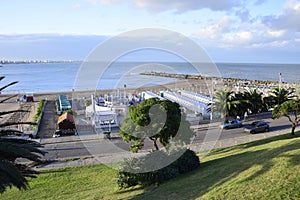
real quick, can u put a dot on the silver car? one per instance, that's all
(231, 123)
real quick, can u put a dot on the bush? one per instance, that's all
(186, 162)
(38, 116)
(68, 111)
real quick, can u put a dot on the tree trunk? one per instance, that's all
(293, 129)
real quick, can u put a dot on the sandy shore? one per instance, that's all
(199, 84)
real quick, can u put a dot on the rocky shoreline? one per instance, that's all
(226, 81)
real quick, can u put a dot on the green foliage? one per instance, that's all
(159, 120)
(187, 161)
(11, 172)
(280, 95)
(88, 102)
(231, 104)
(224, 103)
(289, 109)
(68, 111)
(265, 169)
(38, 115)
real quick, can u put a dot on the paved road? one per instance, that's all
(49, 120)
(206, 138)
(214, 137)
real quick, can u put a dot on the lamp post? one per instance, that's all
(125, 93)
(280, 79)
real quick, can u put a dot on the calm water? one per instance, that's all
(49, 77)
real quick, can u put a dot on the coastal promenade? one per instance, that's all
(91, 149)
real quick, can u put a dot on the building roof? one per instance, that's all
(66, 116)
(64, 102)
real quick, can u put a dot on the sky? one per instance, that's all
(229, 30)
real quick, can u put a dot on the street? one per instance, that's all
(206, 138)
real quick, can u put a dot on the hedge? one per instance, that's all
(186, 162)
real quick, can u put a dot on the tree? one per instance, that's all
(13, 173)
(289, 109)
(254, 100)
(281, 95)
(225, 103)
(240, 103)
(158, 120)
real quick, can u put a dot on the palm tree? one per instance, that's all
(224, 103)
(13, 173)
(241, 104)
(281, 95)
(254, 101)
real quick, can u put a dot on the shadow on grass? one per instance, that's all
(217, 172)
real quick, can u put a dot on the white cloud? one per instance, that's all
(276, 33)
(176, 5)
(230, 32)
(288, 20)
(77, 6)
(216, 29)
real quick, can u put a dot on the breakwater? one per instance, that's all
(226, 81)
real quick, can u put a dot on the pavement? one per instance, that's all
(95, 149)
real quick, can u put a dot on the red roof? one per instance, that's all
(65, 116)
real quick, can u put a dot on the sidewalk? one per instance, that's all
(116, 157)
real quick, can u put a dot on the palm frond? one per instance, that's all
(15, 123)
(8, 98)
(10, 84)
(11, 172)
(12, 111)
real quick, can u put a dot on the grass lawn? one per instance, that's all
(265, 169)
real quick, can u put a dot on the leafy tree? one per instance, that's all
(281, 95)
(289, 109)
(13, 173)
(158, 120)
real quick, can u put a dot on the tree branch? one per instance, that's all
(289, 118)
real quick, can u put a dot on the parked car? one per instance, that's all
(57, 134)
(231, 123)
(257, 126)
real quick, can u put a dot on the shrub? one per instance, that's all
(38, 115)
(186, 162)
(68, 111)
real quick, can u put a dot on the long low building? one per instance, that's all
(196, 96)
(186, 102)
(148, 95)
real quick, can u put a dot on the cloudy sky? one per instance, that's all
(229, 30)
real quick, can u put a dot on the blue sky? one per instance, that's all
(229, 30)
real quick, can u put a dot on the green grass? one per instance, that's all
(265, 169)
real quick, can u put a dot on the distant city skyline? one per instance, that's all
(230, 31)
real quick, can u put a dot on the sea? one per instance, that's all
(62, 76)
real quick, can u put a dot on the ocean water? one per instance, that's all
(51, 77)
